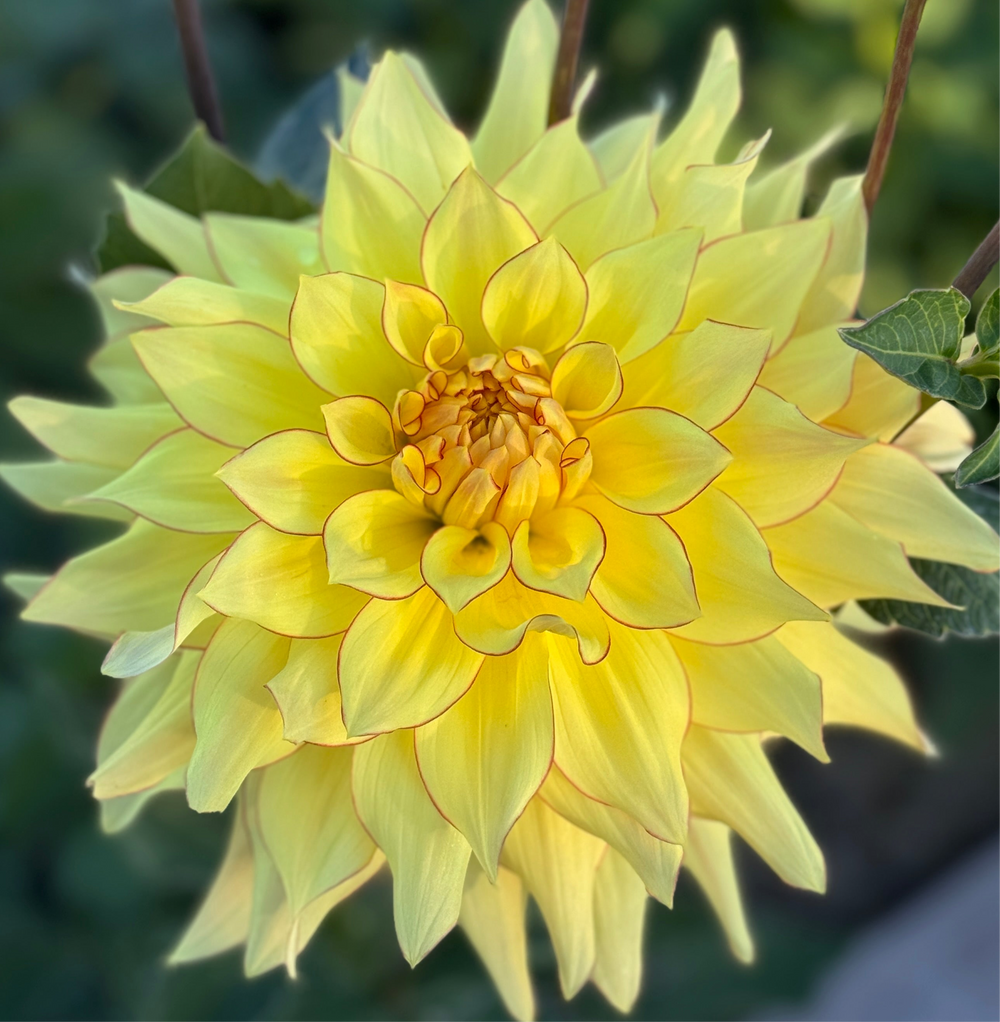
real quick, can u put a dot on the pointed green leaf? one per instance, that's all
(919, 339)
(983, 464)
(988, 325)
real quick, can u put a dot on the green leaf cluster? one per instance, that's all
(200, 177)
(919, 339)
(975, 595)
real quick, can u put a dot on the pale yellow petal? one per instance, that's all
(460, 564)
(740, 595)
(753, 687)
(653, 461)
(125, 284)
(942, 438)
(236, 720)
(282, 583)
(409, 316)
(536, 299)
(616, 146)
(471, 234)
(485, 757)
(293, 480)
(401, 664)
(558, 552)
(374, 541)
(173, 484)
(783, 464)
(890, 491)
(880, 405)
(427, 856)
(587, 380)
(492, 916)
(117, 367)
(234, 382)
(360, 429)
(370, 224)
(730, 779)
(397, 129)
(519, 104)
(57, 486)
(704, 375)
(619, 726)
(619, 915)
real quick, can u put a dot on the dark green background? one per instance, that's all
(91, 88)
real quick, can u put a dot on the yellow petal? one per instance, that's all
(374, 541)
(942, 438)
(236, 721)
(619, 911)
(758, 279)
(293, 480)
(813, 372)
(704, 375)
(880, 405)
(306, 817)
(459, 564)
(834, 294)
(360, 429)
(616, 146)
(621, 214)
(117, 367)
(754, 686)
(282, 583)
(637, 292)
(519, 104)
(557, 863)
(619, 726)
(741, 597)
(496, 622)
(159, 743)
(830, 558)
(554, 174)
(133, 583)
(111, 437)
(262, 254)
(360, 202)
(645, 579)
(470, 235)
(484, 758)
(891, 492)
(699, 133)
(401, 664)
(173, 484)
(189, 301)
(176, 235)
(235, 382)
(657, 862)
(125, 284)
(57, 486)
(536, 299)
(783, 464)
(731, 780)
(709, 856)
(492, 916)
(397, 129)
(587, 380)
(308, 695)
(427, 856)
(859, 689)
(223, 918)
(409, 316)
(336, 330)
(558, 552)
(652, 461)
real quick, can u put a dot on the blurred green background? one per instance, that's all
(93, 88)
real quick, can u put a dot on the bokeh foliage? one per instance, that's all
(93, 88)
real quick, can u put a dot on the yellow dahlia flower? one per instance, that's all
(491, 526)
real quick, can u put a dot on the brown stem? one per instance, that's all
(893, 101)
(564, 77)
(975, 271)
(198, 70)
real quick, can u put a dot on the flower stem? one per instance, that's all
(893, 101)
(975, 271)
(564, 77)
(198, 70)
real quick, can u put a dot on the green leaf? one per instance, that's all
(983, 464)
(976, 593)
(919, 339)
(201, 177)
(988, 325)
